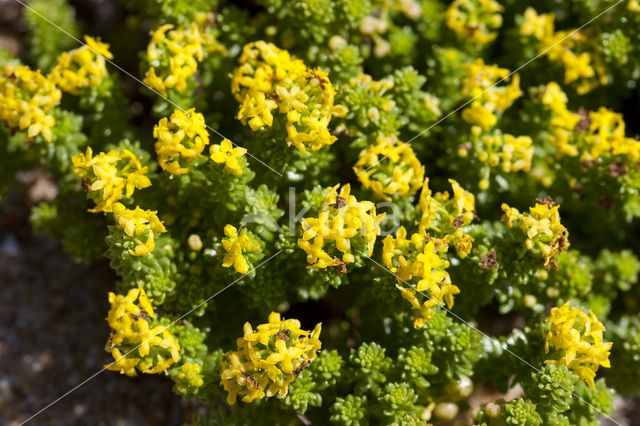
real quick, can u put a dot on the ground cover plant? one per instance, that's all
(350, 211)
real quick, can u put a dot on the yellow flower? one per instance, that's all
(478, 114)
(173, 55)
(268, 359)
(420, 258)
(132, 334)
(590, 135)
(389, 168)
(422, 312)
(81, 68)
(182, 136)
(578, 342)
(540, 26)
(490, 99)
(268, 79)
(510, 153)
(108, 177)
(475, 20)
(341, 219)
(463, 243)
(26, 100)
(138, 223)
(226, 154)
(123, 364)
(236, 245)
(446, 217)
(544, 233)
(606, 135)
(584, 68)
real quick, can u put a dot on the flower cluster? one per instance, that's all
(563, 121)
(268, 359)
(140, 225)
(475, 20)
(510, 153)
(590, 135)
(81, 68)
(236, 245)
(133, 343)
(173, 55)
(110, 176)
(489, 100)
(389, 168)
(225, 153)
(581, 67)
(577, 340)
(26, 100)
(341, 220)
(268, 78)
(188, 378)
(183, 136)
(420, 258)
(446, 216)
(545, 234)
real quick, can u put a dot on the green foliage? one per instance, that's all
(46, 42)
(625, 353)
(521, 412)
(552, 388)
(370, 367)
(349, 411)
(54, 219)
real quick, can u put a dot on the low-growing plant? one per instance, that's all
(349, 211)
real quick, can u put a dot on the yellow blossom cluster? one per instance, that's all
(589, 135)
(563, 121)
(577, 340)
(389, 168)
(133, 343)
(510, 153)
(110, 176)
(268, 78)
(341, 220)
(268, 359)
(542, 227)
(81, 68)
(225, 153)
(183, 136)
(445, 216)
(26, 100)
(236, 244)
(475, 20)
(173, 55)
(583, 68)
(420, 257)
(489, 99)
(141, 225)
